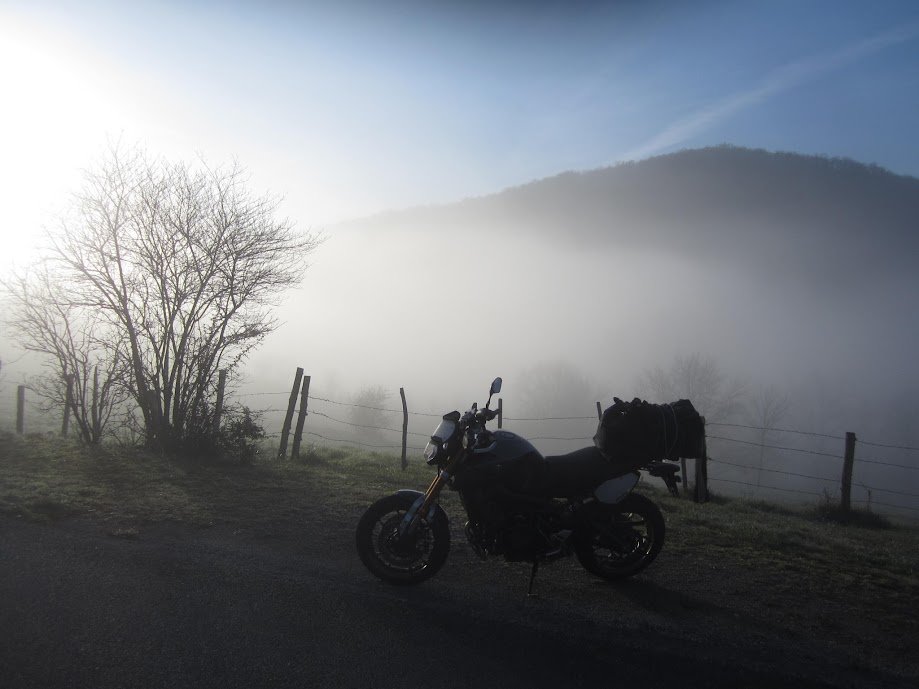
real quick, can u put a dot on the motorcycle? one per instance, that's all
(520, 505)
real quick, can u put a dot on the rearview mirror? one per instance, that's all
(495, 386)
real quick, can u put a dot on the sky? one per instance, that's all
(352, 108)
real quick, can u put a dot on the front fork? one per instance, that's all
(427, 503)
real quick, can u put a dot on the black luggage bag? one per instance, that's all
(637, 432)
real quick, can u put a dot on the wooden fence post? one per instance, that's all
(847, 464)
(599, 412)
(218, 407)
(700, 489)
(500, 412)
(65, 425)
(301, 418)
(404, 427)
(20, 409)
(292, 402)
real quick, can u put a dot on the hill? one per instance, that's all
(833, 219)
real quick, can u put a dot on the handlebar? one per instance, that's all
(481, 416)
(478, 416)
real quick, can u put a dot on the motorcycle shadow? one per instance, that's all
(653, 597)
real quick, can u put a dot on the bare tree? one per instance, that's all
(368, 412)
(77, 344)
(178, 265)
(765, 411)
(554, 388)
(697, 378)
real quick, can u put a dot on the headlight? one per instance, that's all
(439, 437)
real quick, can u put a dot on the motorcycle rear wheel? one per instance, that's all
(402, 559)
(623, 540)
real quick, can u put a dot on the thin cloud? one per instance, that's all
(780, 80)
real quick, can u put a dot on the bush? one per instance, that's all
(237, 441)
(240, 438)
(830, 511)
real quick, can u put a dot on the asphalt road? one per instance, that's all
(180, 607)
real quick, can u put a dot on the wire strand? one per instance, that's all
(778, 430)
(773, 471)
(354, 442)
(552, 418)
(888, 490)
(776, 447)
(887, 464)
(376, 428)
(364, 406)
(752, 485)
(893, 447)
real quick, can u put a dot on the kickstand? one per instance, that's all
(530, 593)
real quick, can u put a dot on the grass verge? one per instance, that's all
(47, 478)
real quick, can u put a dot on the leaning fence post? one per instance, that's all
(500, 412)
(847, 464)
(599, 412)
(404, 427)
(292, 402)
(20, 409)
(301, 418)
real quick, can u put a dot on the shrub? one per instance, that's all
(240, 437)
(237, 441)
(829, 510)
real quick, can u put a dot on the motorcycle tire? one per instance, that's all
(622, 539)
(407, 559)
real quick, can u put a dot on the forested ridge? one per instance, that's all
(717, 202)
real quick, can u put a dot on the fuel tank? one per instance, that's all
(515, 464)
(512, 447)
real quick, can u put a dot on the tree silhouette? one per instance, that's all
(166, 272)
(697, 378)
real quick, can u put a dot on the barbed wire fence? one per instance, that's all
(791, 468)
(877, 473)
(801, 463)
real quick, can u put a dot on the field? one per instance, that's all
(856, 586)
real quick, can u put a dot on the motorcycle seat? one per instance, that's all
(579, 471)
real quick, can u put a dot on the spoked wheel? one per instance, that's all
(409, 557)
(621, 540)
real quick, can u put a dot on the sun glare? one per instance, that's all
(56, 109)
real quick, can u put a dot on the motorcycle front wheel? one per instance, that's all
(620, 540)
(402, 558)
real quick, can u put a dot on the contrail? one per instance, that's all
(780, 80)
